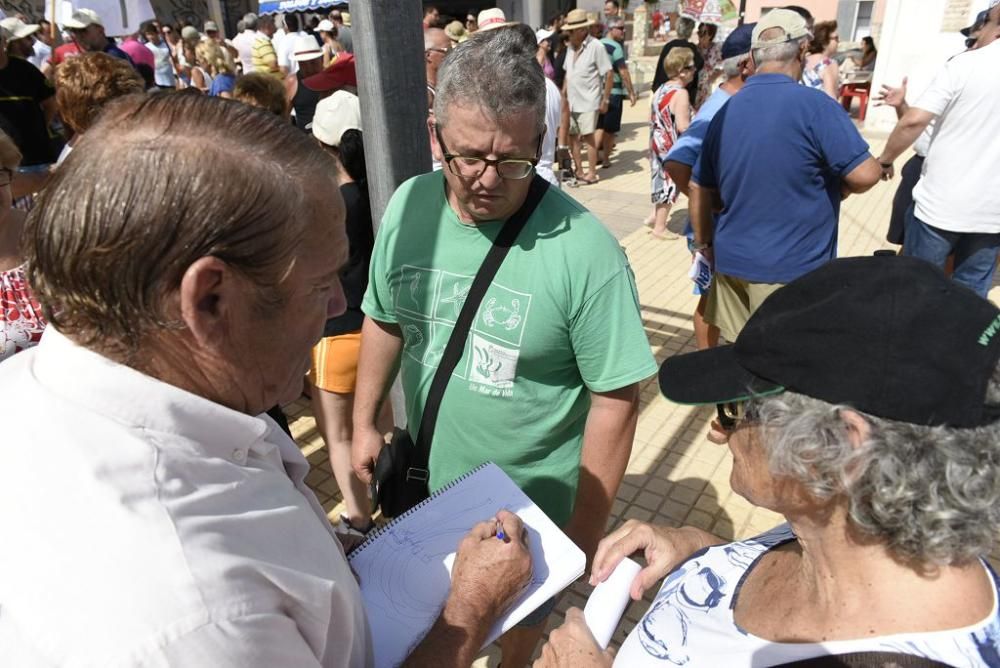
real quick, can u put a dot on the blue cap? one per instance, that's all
(738, 41)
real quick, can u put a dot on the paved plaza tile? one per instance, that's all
(675, 476)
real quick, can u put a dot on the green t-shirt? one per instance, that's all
(616, 54)
(560, 318)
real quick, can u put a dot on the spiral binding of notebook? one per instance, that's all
(376, 533)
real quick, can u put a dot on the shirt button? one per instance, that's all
(239, 455)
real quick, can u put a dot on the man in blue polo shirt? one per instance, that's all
(737, 65)
(776, 161)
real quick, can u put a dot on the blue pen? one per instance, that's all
(500, 533)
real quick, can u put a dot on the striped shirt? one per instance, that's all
(264, 58)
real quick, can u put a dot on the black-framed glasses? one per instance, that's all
(472, 168)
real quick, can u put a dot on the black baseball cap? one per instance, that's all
(890, 336)
(738, 42)
(978, 24)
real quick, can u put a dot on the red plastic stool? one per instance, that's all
(859, 90)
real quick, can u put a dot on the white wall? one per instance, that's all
(912, 44)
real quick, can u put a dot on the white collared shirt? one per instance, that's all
(144, 525)
(585, 72)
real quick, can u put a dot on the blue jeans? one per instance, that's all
(975, 252)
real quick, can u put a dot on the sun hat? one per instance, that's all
(738, 42)
(15, 28)
(190, 34)
(577, 18)
(81, 18)
(211, 26)
(542, 34)
(306, 47)
(893, 337)
(491, 19)
(791, 24)
(456, 31)
(341, 73)
(335, 115)
(326, 25)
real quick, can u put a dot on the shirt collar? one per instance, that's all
(765, 78)
(105, 387)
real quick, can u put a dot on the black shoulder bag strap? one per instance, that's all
(456, 343)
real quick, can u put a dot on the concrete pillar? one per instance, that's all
(534, 13)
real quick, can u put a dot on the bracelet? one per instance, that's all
(696, 245)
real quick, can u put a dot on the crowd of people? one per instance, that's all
(186, 240)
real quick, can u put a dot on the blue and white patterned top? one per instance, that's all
(691, 621)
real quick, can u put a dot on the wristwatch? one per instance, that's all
(700, 245)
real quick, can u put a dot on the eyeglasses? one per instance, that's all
(473, 168)
(6, 176)
(732, 414)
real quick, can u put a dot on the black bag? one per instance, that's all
(400, 478)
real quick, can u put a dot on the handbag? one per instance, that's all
(400, 479)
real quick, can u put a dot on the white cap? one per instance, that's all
(81, 18)
(306, 48)
(15, 28)
(335, 115)
(326, 25)
(542, 34)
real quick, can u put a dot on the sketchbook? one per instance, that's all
(405, 567)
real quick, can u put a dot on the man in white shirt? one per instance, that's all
(286, 48)
(163, 65)
(245, 40)
(169, 523)
(587, 85)
(956, 204)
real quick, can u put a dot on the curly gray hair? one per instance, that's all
(931, 493)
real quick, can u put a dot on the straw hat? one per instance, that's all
(577, 18)
(456, 31)
(491, 19)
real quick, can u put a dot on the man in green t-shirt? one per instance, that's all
(548, 384)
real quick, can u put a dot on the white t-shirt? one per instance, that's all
(147, 526)
(244, 47)
(958, 188)
(553, 111)
(163, 69)
(691, 622)
(286, 48)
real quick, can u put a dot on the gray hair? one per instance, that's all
(785, 52)
(685, 26)
(731, 66)
(430, 37)
(932, 494)
(250, 21)
(495, 72)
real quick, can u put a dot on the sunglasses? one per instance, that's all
(732, 414)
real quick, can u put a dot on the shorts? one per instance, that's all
(335, 363)
(539, 615)
(611, 120)
(732, 301)
(582, 122)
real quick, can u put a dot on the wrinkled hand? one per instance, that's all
(572, 645)
(663, 547)
(890, 96)
(489, 573)
(366, 444)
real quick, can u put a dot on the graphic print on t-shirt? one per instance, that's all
(428, 302)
